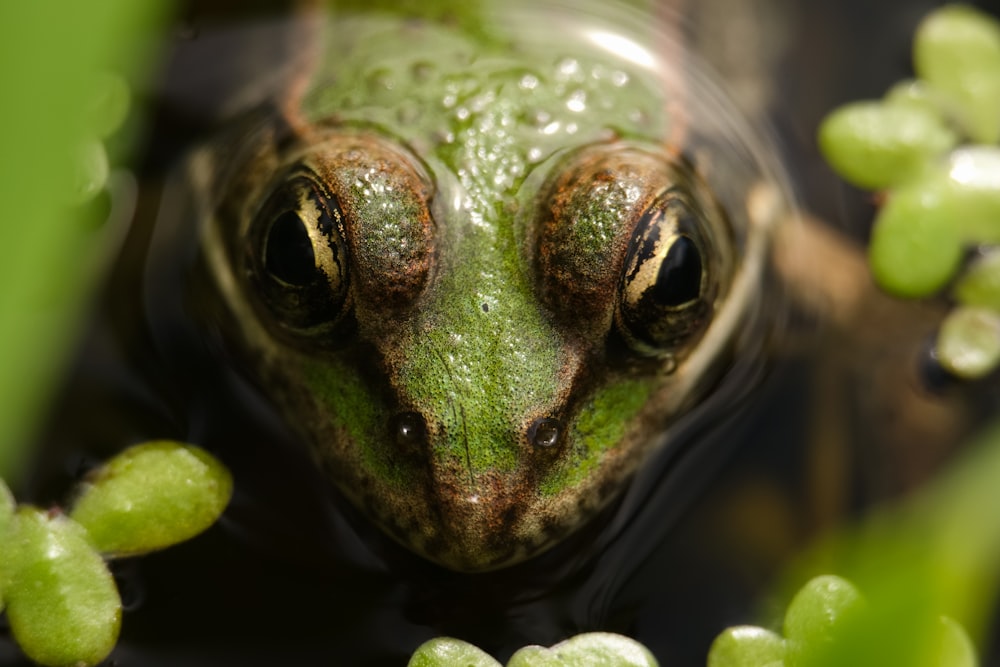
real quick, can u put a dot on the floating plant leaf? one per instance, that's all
(449, 652)
(957, 51)
(152, 496)
(746, 646)
(592, 649)
(814, 614)
(875, 145)
(915, 246)
(62, 603)
(980, 283)
(968, 345)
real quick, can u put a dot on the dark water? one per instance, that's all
(290, 576)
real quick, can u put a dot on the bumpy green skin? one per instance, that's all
(152, 496)
(483, 356)
(490, 108)
(481, 360)
(62, 602)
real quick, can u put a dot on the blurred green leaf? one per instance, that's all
(934, 555)
(876, 145)
(55, 52)
(968, 344)
(957, 51)
(980, 284)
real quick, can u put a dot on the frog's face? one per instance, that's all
(480, 282)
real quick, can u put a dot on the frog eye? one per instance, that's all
(631, 242)
(344, 241)
(667, 289)
(298, 257)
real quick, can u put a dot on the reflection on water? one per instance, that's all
(293, 575)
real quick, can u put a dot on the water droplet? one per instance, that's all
(528, 82)
(619, 78)
(444, 137)
(577, 101)
(568, 67)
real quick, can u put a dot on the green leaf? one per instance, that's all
(152, 496)
(7, 507)
(979, 285)
(815, 614)
(62, 603)
(914, 92)
(593, 649)
(91, 170)
(916, 247)
(954, 648)
(746, 646)
(971, 175)
(957, 51)
(968, 344)
(54, 252)
(108, 105)
(448, 652)
(875, 145)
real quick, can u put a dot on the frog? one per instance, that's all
(483, 271)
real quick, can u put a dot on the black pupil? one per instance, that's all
(289, 255)
(679, 278)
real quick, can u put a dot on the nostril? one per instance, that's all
(545, 432)
(408, 429)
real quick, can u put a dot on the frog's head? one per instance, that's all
(482, 289)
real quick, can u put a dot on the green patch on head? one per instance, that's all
(600, 426)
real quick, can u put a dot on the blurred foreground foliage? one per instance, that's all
(62, 88)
